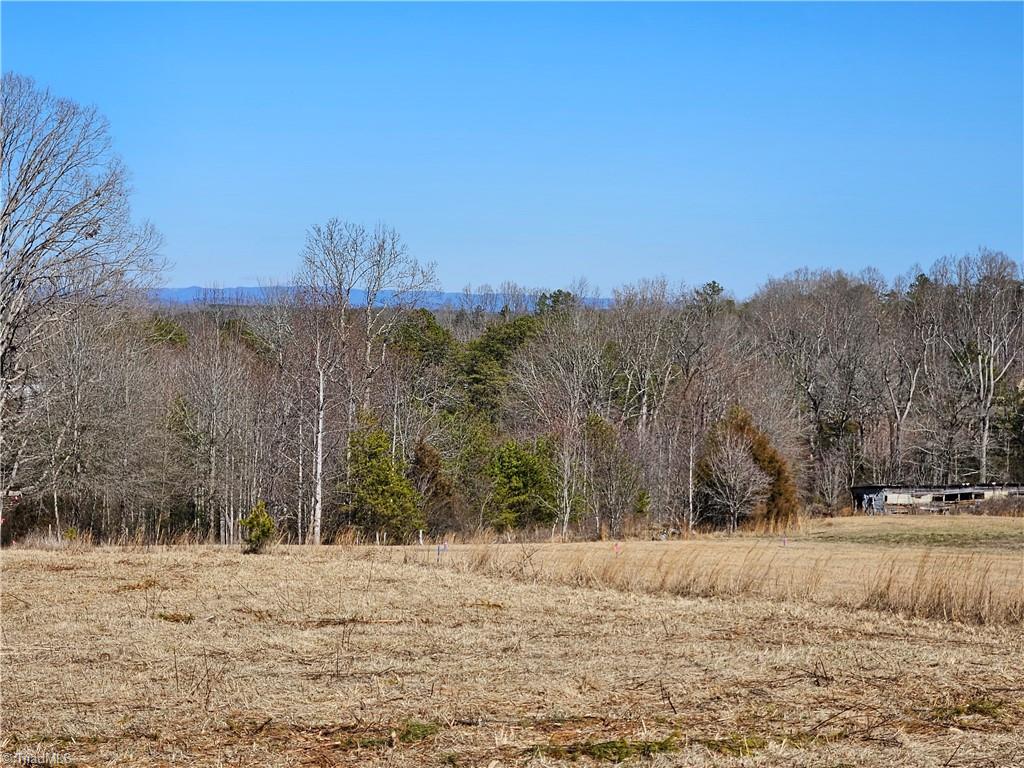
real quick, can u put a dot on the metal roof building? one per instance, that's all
(879, 499)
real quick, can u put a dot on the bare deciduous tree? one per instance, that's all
(557, 383)
(734, 482)
(985, 332)
(66, 236)
(356, 282)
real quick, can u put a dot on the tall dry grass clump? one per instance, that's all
(961, 589)
(71, 540)
(975, 588)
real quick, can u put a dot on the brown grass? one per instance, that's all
(348, 656)
(964, 589)
(975, 574)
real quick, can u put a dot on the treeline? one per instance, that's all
(662, 409)
(667, 409)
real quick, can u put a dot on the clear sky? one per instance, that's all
(544, 142)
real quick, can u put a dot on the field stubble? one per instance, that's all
(504, 656)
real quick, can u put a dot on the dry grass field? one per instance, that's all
(967, 569)
(541, 655)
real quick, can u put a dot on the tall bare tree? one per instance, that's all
(357, 282)
(985, 332)
(557, 382)
(66, 236)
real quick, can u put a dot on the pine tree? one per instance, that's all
(524, 485)
(381, 496)
(486, 360)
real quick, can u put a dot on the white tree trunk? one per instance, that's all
(318, 470)
(689, 486)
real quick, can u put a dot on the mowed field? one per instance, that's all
(804, 651)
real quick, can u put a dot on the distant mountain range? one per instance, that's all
(247, 294)
(194, 293)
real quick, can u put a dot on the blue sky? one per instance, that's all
(543, 142)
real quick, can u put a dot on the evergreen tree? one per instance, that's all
(381, 496)
(556, 301)
(524, 485)
(259, 528)
(422, 337)
(486, 360)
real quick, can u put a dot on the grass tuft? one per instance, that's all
(139, 586)
(614, 751)
(415, 730)
(735, 745)
(951, 714)
(175, 617)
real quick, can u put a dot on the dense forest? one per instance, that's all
(350, 409)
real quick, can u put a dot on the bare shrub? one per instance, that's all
(1008, 506)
